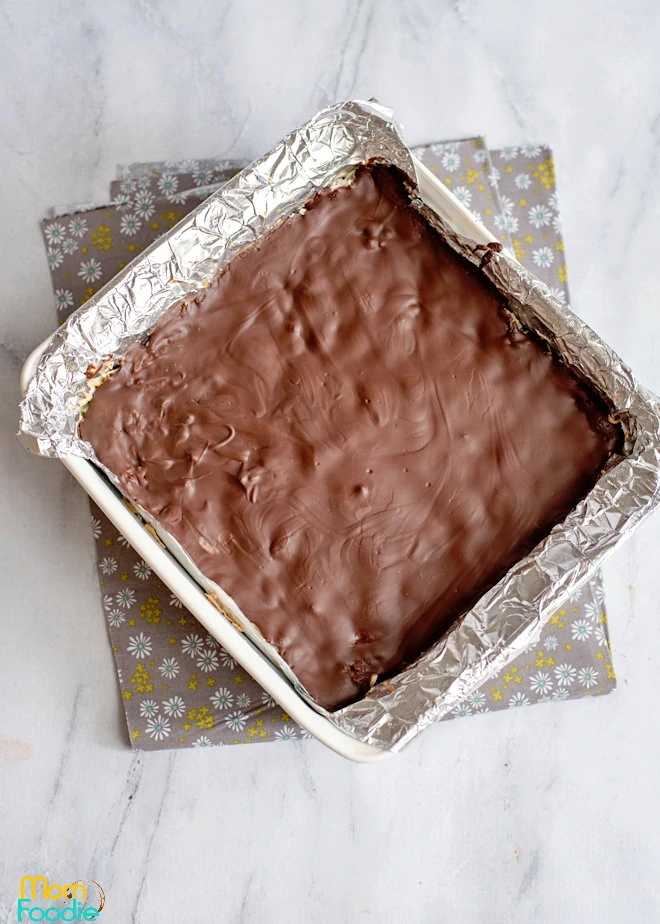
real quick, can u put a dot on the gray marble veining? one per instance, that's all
(527, 816)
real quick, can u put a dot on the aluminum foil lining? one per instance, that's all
(509, 617)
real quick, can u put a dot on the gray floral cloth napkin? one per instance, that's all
(178, 686)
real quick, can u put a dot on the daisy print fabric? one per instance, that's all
(178, 687)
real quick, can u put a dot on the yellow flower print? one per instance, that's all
(102, 238)
(142, 680)
(202, 717)
(519, 250)
(545, 173)
(194, 683)
(562, 272)
(151, 610)
(471, 176)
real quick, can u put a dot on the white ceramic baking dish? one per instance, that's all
(186, 588)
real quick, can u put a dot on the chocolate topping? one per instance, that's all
(347, 434)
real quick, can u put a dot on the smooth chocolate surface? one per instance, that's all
(345, 432)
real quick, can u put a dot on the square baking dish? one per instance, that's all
(504, 620)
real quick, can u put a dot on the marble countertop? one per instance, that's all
(532, 815)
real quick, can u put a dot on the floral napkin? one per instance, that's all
(178, 686)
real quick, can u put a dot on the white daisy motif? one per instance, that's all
(236, 721)
(304, 733)
(243, 701)
(601, 636)
(142, 571)
(451, 161)
(592, 611)
(541, 683)
(115, 618)
(286, 733)
(518, 699)
(226, 659)
(530, 150)
(90, 270)
(148, 707)
(207, 660)
(556, 223)
(461, 711)
(564, 674)
(168, 184)
(267, 699)
(211, 642)
(158, 728)
(108, 565)
(581, 630)
(481, 155)
(54, 256)
(599, 592)
(64, 299)
(169, 667)
(202, 177)
(188, 166)
(477, 700)
(96, 527)
(127, 187)
(507, 205)
(508, 153)
(124, 541)
(494, 176)
(130, 225)
(507, 223)
(78, 227)
(179, 198)
(55, 233)
(222, 698)
(174, 601)
(551, 642)
(174, 707)
(477, 215)
(70, 245)
(553, 201)
(191, 645)
(560, 694)
(202, 742)
(142, 182)
(122, 201)
(144, 205)
(108, 602)
(559, 294)
(139, 646)
(543, 257)
(539, 216)
(463, 194)
(587, 677)
(523, 181)
(126, 598)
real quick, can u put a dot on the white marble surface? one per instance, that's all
(537, 815)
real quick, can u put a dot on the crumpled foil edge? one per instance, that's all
(512, 614)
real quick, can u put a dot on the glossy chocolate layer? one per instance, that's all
(345, 433)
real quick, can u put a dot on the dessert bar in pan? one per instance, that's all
(374, 441)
